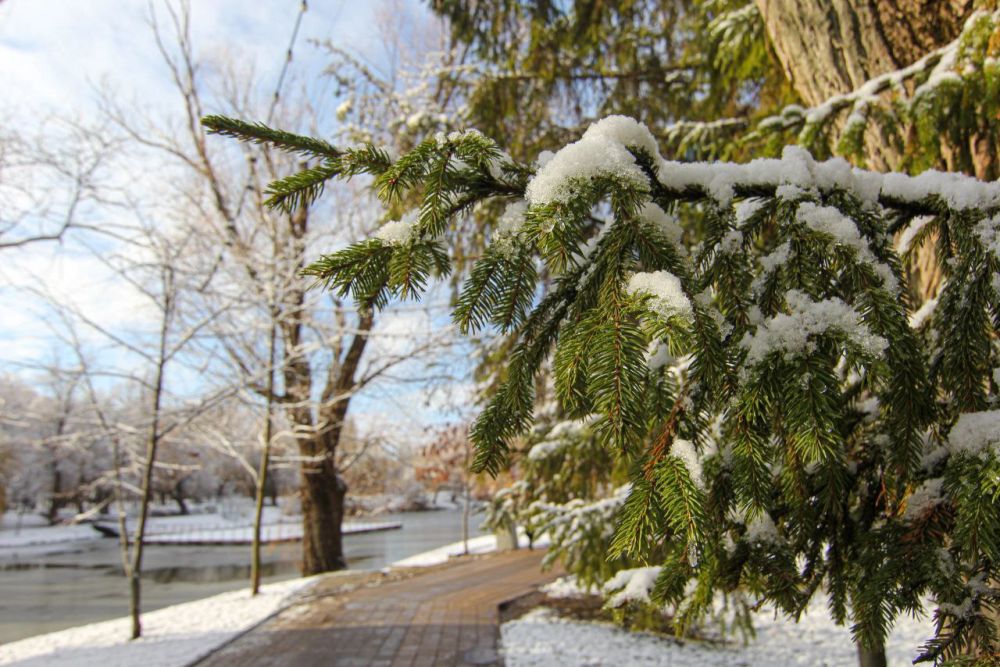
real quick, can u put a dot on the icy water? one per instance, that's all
(42, 592)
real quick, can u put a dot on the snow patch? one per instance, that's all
(542, 639)
(632, 585)
(601, 152)
(666, 224)
(398, 232)
(568, 587)
(685, 451)
(975, 433)
(927, 496)
(174, 636)
(665, 288)
(790, 334)
(762, 530)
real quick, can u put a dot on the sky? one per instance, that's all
(55, 57)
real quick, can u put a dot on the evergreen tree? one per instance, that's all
(818, 432)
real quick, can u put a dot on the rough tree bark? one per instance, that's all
(835, 46)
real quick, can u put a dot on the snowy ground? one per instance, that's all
(30, 530)
(177, 635)
(477, 545)
(542, 639)
(172, 637)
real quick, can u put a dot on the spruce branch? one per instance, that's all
(261, 134)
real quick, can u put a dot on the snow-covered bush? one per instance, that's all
(782, 412)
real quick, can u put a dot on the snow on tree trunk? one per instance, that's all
(835, 47)
(832, 48)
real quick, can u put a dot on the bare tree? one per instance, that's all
(51, 181)
(252, 259)
(150, 263)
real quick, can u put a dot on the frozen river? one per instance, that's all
(42, 591)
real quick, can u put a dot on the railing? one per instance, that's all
(243, 533)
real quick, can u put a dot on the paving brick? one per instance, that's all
(438, 617)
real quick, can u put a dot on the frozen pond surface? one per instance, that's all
(41, 591)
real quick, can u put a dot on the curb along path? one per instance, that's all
(447, 615)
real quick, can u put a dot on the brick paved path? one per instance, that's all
(440, 616)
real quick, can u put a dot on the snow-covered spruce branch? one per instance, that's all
(810, 411)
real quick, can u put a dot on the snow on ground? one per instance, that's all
(477, 545)
(173, 636)
(542, 639)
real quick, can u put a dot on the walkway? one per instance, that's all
(440, 616)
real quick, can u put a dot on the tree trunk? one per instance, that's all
(182, 507)
(871, 657)
(134, 570)
(265, 458)
(832, 47)
(323, 489)
(56, 497)
(323, 492)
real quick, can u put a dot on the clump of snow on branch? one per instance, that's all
(633, 585)
(922, 314)
(745, 208)
(797, 168)
(625, 131)
(927, 496)
(668, 296)
(600, 152)
(762, 530)
(960, 192)
(988, 232)
(666, 224)
(564, 522)
(604, 151)
(568, 587)
(791, 334)
(685, 451)
(508, 226)
(829, 221)
(776, 258)
(975, 433)
(658, 355)
(398, 232)
(443, 139)
(559, 437)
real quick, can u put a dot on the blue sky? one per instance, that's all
(53, 51)
(55, 54)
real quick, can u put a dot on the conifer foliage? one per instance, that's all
(790, 427)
